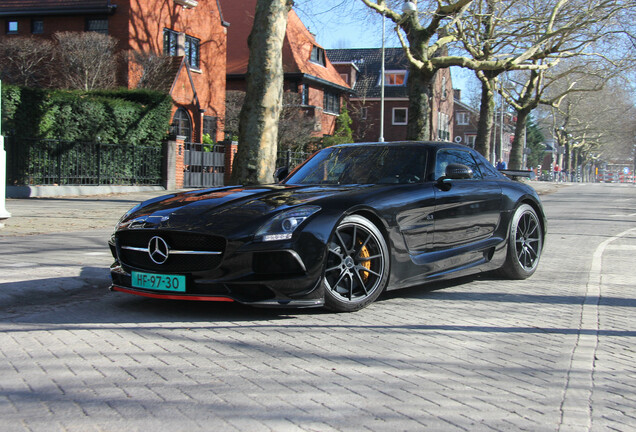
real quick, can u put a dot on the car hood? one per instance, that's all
(225, 209)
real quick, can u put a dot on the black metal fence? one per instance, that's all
(290, 159)
(204, 165)
(54, 162)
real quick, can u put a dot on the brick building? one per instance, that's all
(361, 68)
(192, 32)
(466, 119)
(308, 71)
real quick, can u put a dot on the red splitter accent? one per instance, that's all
(172, 296)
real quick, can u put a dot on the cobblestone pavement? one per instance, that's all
(554, 352)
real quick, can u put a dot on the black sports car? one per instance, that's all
(350, 222)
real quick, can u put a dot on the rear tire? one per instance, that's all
(525, 243)
(357, 266)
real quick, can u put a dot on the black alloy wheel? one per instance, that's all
(357, 267)
(525, 244)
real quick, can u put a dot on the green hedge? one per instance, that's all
(132, 117)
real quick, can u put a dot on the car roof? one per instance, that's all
(429, 144)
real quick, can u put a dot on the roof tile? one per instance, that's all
(369, 63)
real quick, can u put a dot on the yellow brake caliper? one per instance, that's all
(364, 253)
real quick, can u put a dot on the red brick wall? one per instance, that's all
(51, 24)
(230, 153)
(369, 130)
(441, 104)
(146, 21)
(138, 25)
(179, 165)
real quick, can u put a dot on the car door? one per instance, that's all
(415, 220)
(466, 210)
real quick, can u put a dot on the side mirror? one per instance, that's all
(457, 171)
(454, 171)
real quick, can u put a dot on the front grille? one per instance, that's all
(176, 240)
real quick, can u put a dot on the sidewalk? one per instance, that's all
(30, 216)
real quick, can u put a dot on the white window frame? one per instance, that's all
(394, 72)
(406, 116)
(469, 140)
(318, 56)
(9, 27)
(463, 118)
(443, 124)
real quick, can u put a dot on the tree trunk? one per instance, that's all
(420, 87)
(258, 125)
(486, 113)
(516, 150)
(528, 101)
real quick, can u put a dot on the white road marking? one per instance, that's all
(576, 409)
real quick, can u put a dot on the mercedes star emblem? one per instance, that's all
(158, 250)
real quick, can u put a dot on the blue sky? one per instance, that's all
(348, 25)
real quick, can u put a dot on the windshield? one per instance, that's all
(364, 164)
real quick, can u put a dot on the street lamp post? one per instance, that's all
(381, 138)
(407, 8)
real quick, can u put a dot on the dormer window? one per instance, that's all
(394, 78)
(318, 56)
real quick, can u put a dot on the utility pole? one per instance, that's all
(4, 214)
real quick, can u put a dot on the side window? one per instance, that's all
(488, 170)
(451, 156)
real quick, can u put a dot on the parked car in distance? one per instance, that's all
(351, 222)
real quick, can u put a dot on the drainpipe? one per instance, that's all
(4, 214)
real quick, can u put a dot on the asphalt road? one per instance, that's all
(554, 352)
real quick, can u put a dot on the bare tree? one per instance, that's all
(590, 133)
(295, 127)
(492, 37)
(156, 70)
(233, 103)
(428, 38)
(86, 60)
(26, 61)
(255, 160)
(358, 109)
(423, 51)
(539, 35)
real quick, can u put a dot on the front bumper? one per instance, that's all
(276, 274)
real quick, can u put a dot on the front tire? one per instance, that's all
(357, 265)
(525, 243)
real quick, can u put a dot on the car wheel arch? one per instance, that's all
(538, 209)
(376, 220)
(372, 229)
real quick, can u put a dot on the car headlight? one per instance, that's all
(128, 213)
(283, 225)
